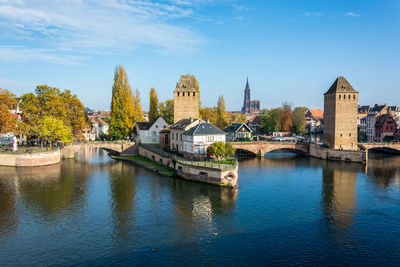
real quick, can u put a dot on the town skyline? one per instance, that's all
(290, 53)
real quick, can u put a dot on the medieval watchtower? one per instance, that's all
(186, 98)
(340, 116)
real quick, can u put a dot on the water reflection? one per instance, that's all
(339, 201)
(384, 169)
(122, 184)
(8, 202)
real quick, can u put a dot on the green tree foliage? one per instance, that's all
(286, 116)
(8, 101)
(124, 106)
(222, 117)
(269, 119)
(153, 109)
(299, 120)
(51, 101)
(52, 130)
(209, 114)
(167, 110)
(221, 150)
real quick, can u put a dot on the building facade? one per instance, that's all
(315, 121)
(373, 113)
(197, 139)
(340, 116)
(149, 132)
(237, 132)
(177, 130)
(385, 128)
(186, 98)
(250, 106)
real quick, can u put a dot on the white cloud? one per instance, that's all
(67, 29)
(312, 14)
(352, 14)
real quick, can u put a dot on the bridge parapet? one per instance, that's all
(69, 151)
(262, 147)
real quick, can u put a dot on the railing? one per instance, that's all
(27, 150)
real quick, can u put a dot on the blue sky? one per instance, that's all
(290, 50)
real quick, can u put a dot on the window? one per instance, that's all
(194, 94)
(349, 97)
(344, 96)
(166, 139)
(156, 126)
(181, 137)
(354, 97)
(178, 93)
(349, 134)
(340, 96)
(183, 94)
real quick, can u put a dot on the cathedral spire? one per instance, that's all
(247, 84)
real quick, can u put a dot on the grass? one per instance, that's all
(149, 164)
(227, 161)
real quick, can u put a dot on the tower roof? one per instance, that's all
(247, 84)
(187, 83)
(341, 85)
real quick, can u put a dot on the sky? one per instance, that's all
(290, 50)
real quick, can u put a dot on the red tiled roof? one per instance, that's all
(316, 113)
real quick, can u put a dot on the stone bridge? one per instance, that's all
(69, 151)
(261, 148)
(383, 146)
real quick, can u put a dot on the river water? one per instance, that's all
(287, 210)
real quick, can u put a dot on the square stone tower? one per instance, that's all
(340, 116)
(186, 98)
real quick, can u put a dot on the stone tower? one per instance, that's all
(246, 102)
(340, 116)
(186, 98)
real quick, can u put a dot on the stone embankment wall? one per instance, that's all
(30, 160)
(156, 157)
(333, 154)
(208, 175)
(206, 172)
(69, 151)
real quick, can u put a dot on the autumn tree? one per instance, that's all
(208, 114)
(138, 114)
(221, 150)
(53, 130)
(167, 110)
(51, 101)
(299, 120)
(222, 117)
(8, 101)
(153, 109)
(237, 118)
(285, 121)
(123, 106)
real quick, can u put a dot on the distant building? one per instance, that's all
(254, 124)
(176, 132)
(340, 115)
(186, 98)
(315, 121)
(197, 139)
(98, 125)
(385, 128)
(249, 106)
(237, 132)
(373, 113)
(149, 132)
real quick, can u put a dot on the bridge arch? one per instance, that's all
(244, 152)
(283, 150)
(385, 149)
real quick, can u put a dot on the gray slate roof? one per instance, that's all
(144, 125)
(204, 129)
(182, 123)
(341, 85)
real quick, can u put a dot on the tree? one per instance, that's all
(138, 114)
(237, 118)
(153, 109)
(299, 120)
(52, 129)
(8, 101)
(221, 150)
(167, 110)
(51, 101)
(222, 117)
(123, 106)
(209, 114)
(269, 119)
(285, 121)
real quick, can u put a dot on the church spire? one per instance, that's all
(247, 84)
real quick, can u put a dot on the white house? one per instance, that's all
(197, 139)
(149, 132)
(238, 131)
